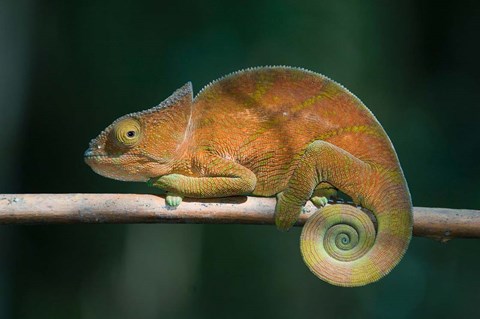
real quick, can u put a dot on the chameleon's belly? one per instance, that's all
(270, 182)
(273, 160)
(273, 164)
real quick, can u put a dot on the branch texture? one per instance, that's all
(438, 223)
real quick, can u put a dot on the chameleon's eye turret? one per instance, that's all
(128, 132)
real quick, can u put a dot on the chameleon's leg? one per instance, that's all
(225, 178)
(340, 243)
(323, 163)
(322, 193)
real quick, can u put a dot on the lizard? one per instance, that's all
(275, 131)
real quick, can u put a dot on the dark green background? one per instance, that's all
(69, 68)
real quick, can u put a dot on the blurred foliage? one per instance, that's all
(69, 68)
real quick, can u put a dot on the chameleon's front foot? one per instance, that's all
(173, 200)
(286, 212)
(167, 183)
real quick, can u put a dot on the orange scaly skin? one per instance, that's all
(275, 131)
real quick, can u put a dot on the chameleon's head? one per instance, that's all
(140, 146)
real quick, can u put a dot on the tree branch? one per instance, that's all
(438, 223)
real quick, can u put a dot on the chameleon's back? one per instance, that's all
(266, 118)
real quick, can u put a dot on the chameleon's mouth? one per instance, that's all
(90, 156)
(118, 168)
(89, 153)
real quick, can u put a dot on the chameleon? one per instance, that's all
(275, 131)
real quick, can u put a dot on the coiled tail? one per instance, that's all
(341, 245)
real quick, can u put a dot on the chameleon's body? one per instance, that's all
(274, 131)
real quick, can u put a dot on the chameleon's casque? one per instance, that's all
(275, 131)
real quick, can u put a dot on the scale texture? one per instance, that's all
(275, 131)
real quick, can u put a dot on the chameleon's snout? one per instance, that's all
(94, 150)
(92, 155)
(88, 153)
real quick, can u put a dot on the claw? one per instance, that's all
(318, 201)
(173, 200)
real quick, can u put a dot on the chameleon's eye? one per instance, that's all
(128, 132)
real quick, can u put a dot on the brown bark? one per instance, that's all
(438, 223)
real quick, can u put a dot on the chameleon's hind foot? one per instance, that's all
(173, 200)
(319, 201)
(286, 212)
